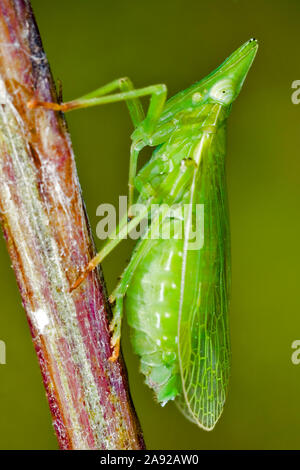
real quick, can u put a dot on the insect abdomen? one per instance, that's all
(152, 306)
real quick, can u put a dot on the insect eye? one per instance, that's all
(222, 91)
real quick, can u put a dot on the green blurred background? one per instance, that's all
(177, 42)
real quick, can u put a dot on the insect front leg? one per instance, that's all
(131, 96)
(105, 95)
(123, 84)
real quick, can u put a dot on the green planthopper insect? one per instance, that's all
(176, 294)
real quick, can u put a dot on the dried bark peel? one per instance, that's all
(49, 241)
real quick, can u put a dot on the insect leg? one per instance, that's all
(119, 292)
(158, 95)
(115, 238)
(134, 153)
(123, 84)
(117, 297)
(104, 95)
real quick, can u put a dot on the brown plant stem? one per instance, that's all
(49, 242)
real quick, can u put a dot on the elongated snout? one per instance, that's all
(238, 64)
